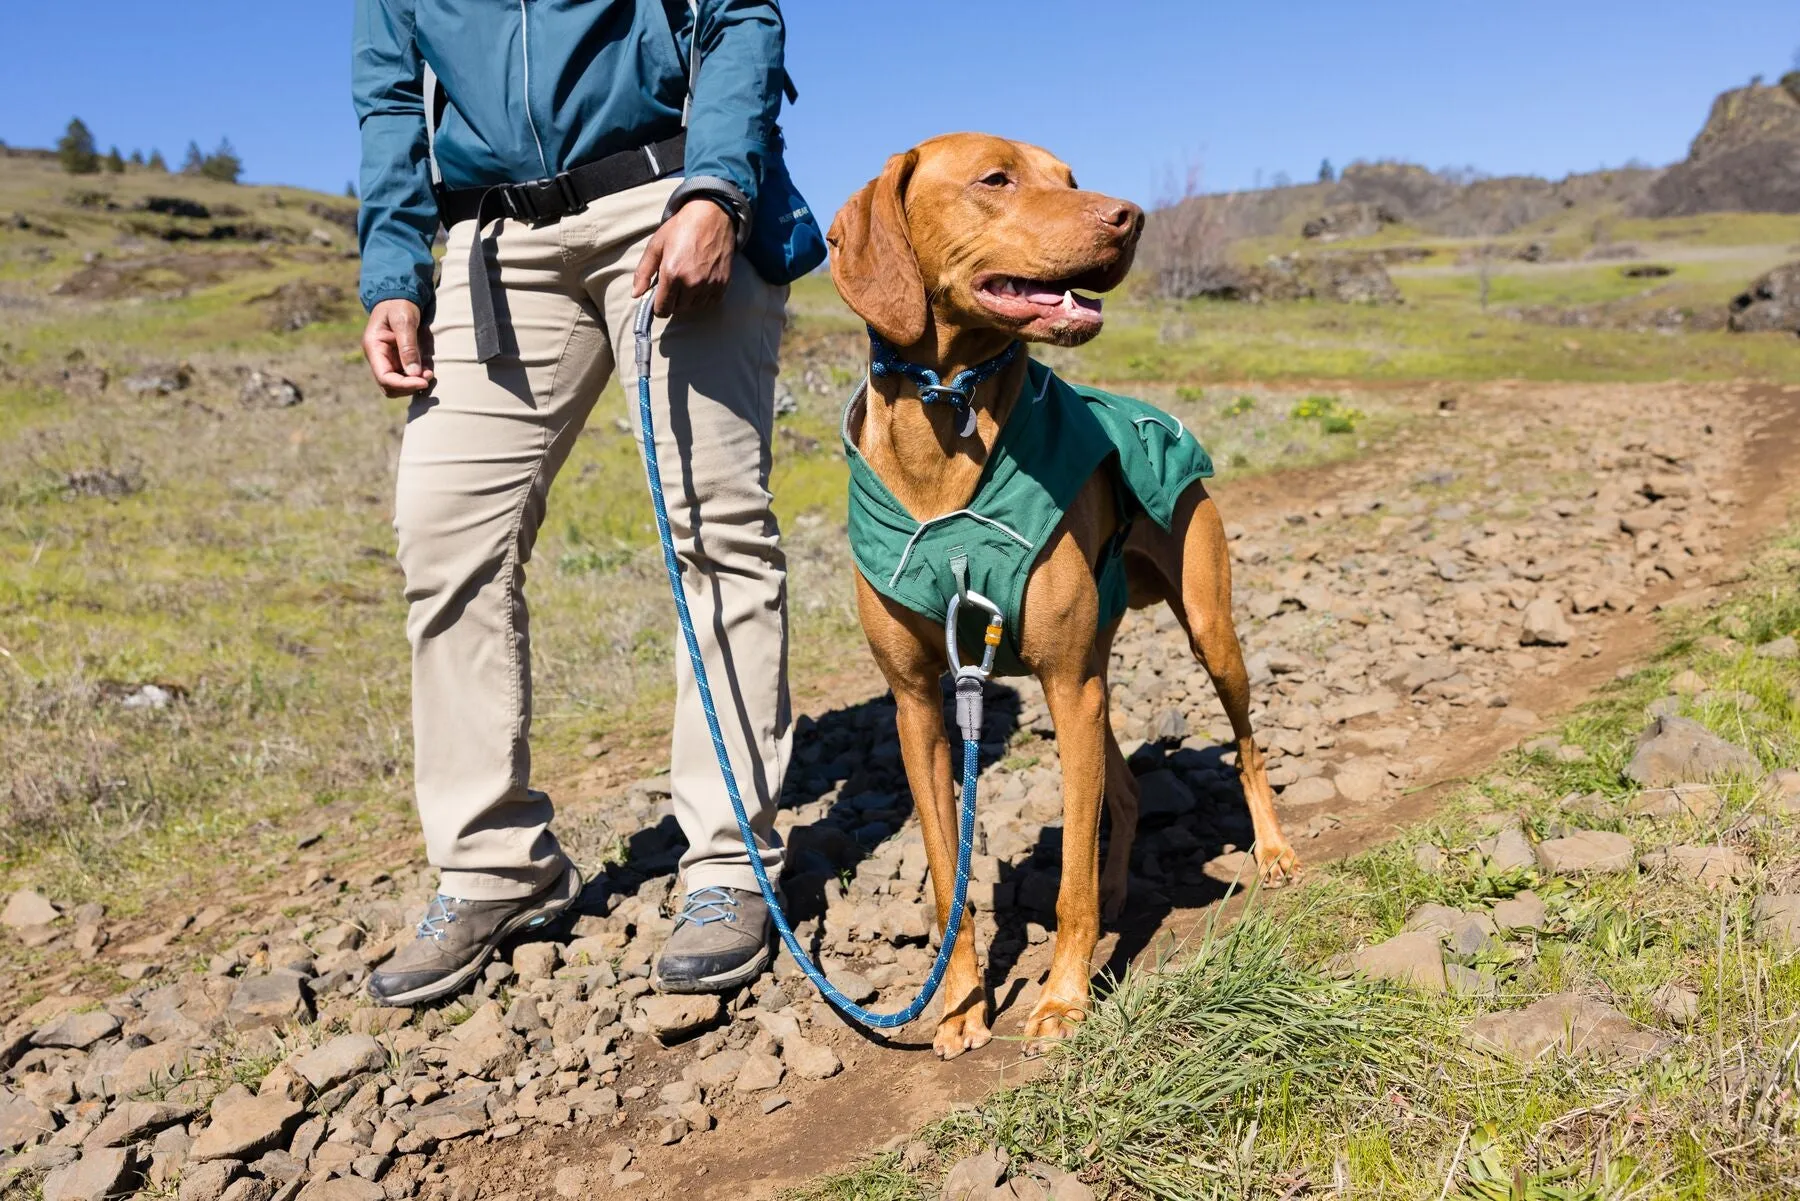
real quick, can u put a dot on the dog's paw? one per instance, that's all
(962, 1032)
(1050, 1022)
(1277, 864)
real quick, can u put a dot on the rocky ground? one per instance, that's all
(1404, 613)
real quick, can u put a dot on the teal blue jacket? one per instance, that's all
(536, 87)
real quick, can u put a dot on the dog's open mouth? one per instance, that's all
(1058, 302)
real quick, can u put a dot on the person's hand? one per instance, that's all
(398, 349)
(690, 258)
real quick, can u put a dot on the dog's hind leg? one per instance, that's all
(1206, 613)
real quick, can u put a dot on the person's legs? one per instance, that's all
(713, 391)
(476, 463)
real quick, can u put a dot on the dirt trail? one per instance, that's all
(1746, 442)
(1409, 615)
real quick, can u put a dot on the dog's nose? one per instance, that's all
(1121, 216)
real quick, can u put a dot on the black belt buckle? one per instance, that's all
(542, 199)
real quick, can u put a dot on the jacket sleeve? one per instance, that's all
(398, 218)
(738, 95)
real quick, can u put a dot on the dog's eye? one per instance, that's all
(994, 179)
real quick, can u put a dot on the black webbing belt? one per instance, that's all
(541, 202)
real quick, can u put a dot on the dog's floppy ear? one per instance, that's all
(872, 259)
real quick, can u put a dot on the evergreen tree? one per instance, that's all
(157, 162)
(223, 164)
(76, 149)
(1327, 172)
(350, 190)
(194, 162)
(115, 162)
(137, 158)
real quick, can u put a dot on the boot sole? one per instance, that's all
(527, 919)
(755, 966)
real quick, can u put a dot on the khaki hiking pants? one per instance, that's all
(476, 464)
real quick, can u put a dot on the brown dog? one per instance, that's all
(960, 247)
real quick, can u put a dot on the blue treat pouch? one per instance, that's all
(785, 239)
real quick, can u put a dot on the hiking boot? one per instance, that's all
(721, 940)
(457, 938)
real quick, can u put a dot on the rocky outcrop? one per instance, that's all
(1772, 303)
(1745, 159)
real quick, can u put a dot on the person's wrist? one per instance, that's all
(717, 202)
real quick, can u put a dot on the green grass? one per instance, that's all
(1242, 1067)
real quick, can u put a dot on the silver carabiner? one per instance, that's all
(969, 680)
(991, 639)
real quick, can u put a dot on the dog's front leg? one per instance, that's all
(1077, 705)
(907, 649)
(926, 753)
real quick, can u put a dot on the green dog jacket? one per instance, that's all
(1057, 436)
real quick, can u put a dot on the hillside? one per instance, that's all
(1746, 158)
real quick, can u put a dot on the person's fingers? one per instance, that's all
(406, 338)
(648, 266)
(669, 295)
(378, 349)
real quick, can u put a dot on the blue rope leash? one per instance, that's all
(959, 393)
(971, 749)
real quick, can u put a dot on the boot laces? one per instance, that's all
(705, 906)
(437, 916)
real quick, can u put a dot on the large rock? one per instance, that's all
(809, 1059)
(135, 1121)
(974, 1178)
(1545, 624)
(76, 1031)
(23, 1122)
(1680, 800)
(1562, 1025)
(207, 1181)
(1770, 304)
(485, 1046)
(675, 1017)
(1595, 851)
(760, 1073)
(1713, 867)
(1314, 790)
(245, 1128)
(1507, 851)
(152, 1068)
(343, 1188)
(98, 1174)
(1746, 159)
(1679, 750)
(1525, 911)
(26, 908)
(338, 1060)
(1413, 959)
(1361, 781)
(263, 1001)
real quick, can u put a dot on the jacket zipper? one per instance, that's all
(525, 53)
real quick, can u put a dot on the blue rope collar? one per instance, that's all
(959, 393)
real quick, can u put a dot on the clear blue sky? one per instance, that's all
(1127, 92)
